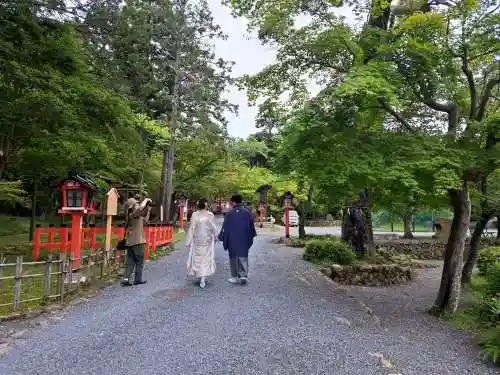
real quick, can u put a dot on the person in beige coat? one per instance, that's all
(200, 240)
(136, 214)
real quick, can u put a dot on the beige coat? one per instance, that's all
(136, 215)
(200, 240)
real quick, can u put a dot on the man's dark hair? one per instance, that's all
(237, 198)
(202, 204)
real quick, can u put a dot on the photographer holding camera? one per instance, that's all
(136, 214)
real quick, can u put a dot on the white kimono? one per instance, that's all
(201, 242)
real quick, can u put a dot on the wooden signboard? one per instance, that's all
(112, 203)
(111, 210)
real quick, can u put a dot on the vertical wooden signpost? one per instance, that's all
(111, 210)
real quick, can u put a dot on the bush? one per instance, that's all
(487, 258)
(490, 343)
(492, 278)
(331, 250)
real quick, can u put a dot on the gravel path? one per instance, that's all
(289, 319)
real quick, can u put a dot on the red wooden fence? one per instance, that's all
(93, 238)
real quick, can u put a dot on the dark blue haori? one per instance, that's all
(238, 232)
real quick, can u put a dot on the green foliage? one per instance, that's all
(490, 342)
(387, 93)
(488, 258)
(331, 250)
(493, 280)
(11, 192)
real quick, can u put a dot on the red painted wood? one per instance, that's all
(58, 239)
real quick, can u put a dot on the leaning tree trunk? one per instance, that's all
(449, 290)
(368, 223)
(346, 230)
(304, 209)
(408, 226)
(302, 224)
(473, 248)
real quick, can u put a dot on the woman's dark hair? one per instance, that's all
(202, 204)
(237, 198)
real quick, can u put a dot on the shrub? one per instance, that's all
(492, 278)
(490, 343)
(330, 250)
(489, 310)
(487, 258)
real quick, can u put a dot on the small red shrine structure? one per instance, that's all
(77, 195)
(77, 201)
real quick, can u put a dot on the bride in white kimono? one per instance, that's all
(200, 239)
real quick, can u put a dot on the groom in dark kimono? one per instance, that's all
(237, 234)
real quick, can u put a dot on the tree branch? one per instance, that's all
(450, 108)
(471, 82)
(488, 52)
(485, 97)
(396, 115)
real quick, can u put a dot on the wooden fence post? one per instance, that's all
(17, 286)
(90, 269)
(61, 276)
(104, 255)
(2, 261)
(47, 281)
(71, 262)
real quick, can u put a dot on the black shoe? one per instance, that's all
(243, 280)
(126, 283)
(140, 282)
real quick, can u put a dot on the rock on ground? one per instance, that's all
(289, 319)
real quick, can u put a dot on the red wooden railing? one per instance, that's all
(93, 238)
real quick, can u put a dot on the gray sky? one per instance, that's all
(250, 57)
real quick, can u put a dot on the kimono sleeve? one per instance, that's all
(192, 226)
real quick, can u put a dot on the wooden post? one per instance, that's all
(287, 222)
(90, 269)
(2, 260)
(70, 274)
(111, 210)
(47, 279)
(61, 276)
(17, 285)
(76, 237)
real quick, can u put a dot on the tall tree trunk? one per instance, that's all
(368, 224)
(449, 290)
(302, 220)
(473, 248)
(498, 227)
(408, 225)
(346, 225)
(2, 164)
(33, 206)
(303, 210)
